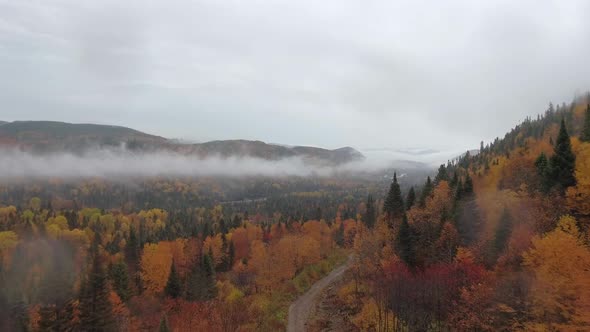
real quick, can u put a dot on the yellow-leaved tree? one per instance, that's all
(578, 197)
(560, 290)
(155, 266)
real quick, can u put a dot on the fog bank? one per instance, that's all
(16, 164)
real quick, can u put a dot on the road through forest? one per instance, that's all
(300, 310)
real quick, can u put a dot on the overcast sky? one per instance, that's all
(410, 74)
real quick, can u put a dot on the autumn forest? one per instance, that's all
(495, 239)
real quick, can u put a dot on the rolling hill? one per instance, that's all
(51, 136)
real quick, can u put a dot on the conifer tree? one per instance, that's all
(542, 166)
(502, 234)
(65, 320)
(454, 180)
(164, 324)
(339, 235)
(468, 185)
(426, 191)
(394, 203)
(442, 174)
(173, 286)
(47, 318)
(405, 243)
(563, 162)
(231, 255)
(201, 284)
(120, 279)
(585, 137)
(95, 307)
(209, 273)
(411, 199)
(370, 214)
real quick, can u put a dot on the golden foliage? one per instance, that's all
(155, 266)
(578, 197)
(560, 263)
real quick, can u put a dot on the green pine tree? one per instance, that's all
(405, 243)
(164, 324)
(65, 320)
(120, 280)
(209, 273)
(339, 235)
(468, 185)
(231, 254)
(563, 162)
(174, 285)
(442, 174)
(411, 198)
(585, 137)
(370, 214)
(201, 284)
(95, 307)
(47, 319)
(394, 203)
(454, 180)
(132, 249)
(426, 191)
(542, 166)
(502, 234)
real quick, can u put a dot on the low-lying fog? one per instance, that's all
(16, 164)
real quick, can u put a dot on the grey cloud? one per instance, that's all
(121, 163)
(327, 73)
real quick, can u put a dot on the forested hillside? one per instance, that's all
(493, 241)
(496, 241)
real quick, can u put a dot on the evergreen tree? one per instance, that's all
(585, 137)
(468, 185)
(132, 249)
(318, 214)
(95, 307)
(394, 203)
(442, 174)
(65, 320)
(339, 235)
(164, 324)
(563, 161)
(209, 273)
(201, 284)
(173, 286)
(222, 226)
(120, 279)
(542, 166)
(231, 254)
(47, 319)
(454, 180)
(426, 191)
(411, 199)
(370, 214)
(405, 243)
(502, 234)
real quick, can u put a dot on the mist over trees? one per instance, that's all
(494, 240)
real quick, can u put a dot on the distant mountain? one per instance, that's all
(50, 136)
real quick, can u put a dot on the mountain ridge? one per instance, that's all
(55, 136)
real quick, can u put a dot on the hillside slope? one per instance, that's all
(51, 136)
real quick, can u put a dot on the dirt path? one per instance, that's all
(332, 313)
(300, 310)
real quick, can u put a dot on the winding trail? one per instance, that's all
(300, 310)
